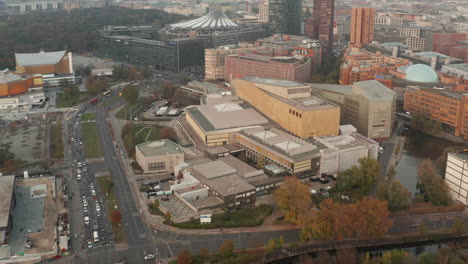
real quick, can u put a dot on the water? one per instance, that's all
(418, 147)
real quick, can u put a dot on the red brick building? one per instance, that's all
(324, 12)
(362, 26)
(442, 42)
(297, 68)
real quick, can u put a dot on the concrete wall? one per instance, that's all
(192, 196)
(169, 160)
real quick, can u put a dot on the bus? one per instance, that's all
(94, 101)
(106, 93)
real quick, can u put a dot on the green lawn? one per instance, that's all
(56, 144)
(145, 133)
(88, 117)
(129, 107)
(61, 102)
(92, 144)
(107, 188)
(240, 218)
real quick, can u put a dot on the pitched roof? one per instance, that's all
(7, 77)
(40, 58)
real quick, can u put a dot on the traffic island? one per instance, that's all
(107, 188)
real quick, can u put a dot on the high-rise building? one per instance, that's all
(362, 25)
(263, 12)
(285, 16)
(324, 11)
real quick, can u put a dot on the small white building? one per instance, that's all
(456, 175)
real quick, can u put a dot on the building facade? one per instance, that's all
(215, 59)
(362, 26)
(291, 105)
(176, 55)
(446, 106)
(324, 12)
(266, 66)
(456, 176)
(13, 84)
(368, 105)
(158, 156)
(57, 62)
(285, 16)
(442, 42)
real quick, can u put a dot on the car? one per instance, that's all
(149, 256)
(78, 177)
(328, 188)
(79, 164)
(91, 185)
(85, 210)
(85, 169)
(98, 209)
(322, 190)
(93, 192)
(101, 200)
(415, 225)
(90, 245)
(78, 171)
(313, 192)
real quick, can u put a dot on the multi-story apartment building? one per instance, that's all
(446, 106)
(414, 37)
(361, 65)
(362, 26)
(456, 175)
(265, 65)
(290, 104)
(215, 59)
(324, 12)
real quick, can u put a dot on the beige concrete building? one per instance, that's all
(219, 117)
(290, 104)
(215, 59)
(456, 176)
(263, 12)
(158, 156)
(368, 105)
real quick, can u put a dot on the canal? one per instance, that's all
(418, 147)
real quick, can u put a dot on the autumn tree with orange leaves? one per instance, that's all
(370, 218)
(293, 198)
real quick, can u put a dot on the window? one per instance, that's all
(156, 166)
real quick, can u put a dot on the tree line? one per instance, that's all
(73, 30)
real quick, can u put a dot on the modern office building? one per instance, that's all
(16, 7)
(414, 37)
(361, 65)
(324, 12)
(285, 16)
(175, 55)
(367, 105)
(442, 42)
(145, 32)
(446, 106)
(362, 26)
(263, 12)
(215, 29)
(215, 59)
(216, 121)
(290, 104)
(158, 156)
(456, 176)
(265, 65)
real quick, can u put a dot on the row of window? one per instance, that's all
(293, 112)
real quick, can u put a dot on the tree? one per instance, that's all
(422, 122)
(395, 257)
(396, 195)
(226, 249)
(370, 218)
(427, 258)
(360, 176)
(432, 187)
(204, 254)
(185, 257)
(271, 245)
(130, 94)
(168, 133)
(169, 90)
(5, 153)
(168, 217)
(9, 166)
(332, 221)
(129, 138)
(459, 225)
(441, 162)
(156, 203)
(116, 217)
(293, 198)
(391, 172)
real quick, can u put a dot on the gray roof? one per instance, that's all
(230, 185)
(40, 58)
(213, 20)
(275, 82)
(159, 148)
(214, 169)
(7, 77)
(372, 90)
(7, 184)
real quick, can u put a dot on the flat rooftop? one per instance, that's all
(459, 66)
(213, 99)
(213, 169)
(463, 155)
(348, 141)
(225, 116)
(372, 90)
(284, 144)
(274, 82)
(159, 148)
(310, 103)
(457, 95)
(230, 185)
(7, 184)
